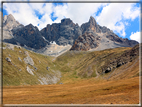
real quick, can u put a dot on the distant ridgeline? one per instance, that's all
(86, 37)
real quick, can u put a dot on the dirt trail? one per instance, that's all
(97, 74)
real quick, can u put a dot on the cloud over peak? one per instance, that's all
(115, 16)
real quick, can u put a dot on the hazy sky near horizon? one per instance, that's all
(122, 18)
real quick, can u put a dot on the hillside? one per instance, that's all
(23, 67)
(106, 64)
(75, 77)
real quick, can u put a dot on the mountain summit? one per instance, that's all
(90, 26)
(9, 23)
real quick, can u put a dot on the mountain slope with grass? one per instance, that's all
(23, 67)
(76, 77)
(107, 64)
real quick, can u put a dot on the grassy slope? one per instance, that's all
(83, 65)
(18, 75)
(74, 66)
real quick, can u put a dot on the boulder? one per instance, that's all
(8, 59)
(10, 46)
(19, 59)
(19, 47)
(30, 70)
(108, 70)
(29, 60)
(26, 53)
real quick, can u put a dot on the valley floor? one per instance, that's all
(89, 91)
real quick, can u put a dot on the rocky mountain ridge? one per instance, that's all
(88, 36)
(97, 37)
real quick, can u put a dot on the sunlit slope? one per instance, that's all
(69, 67)
(27, 68)
(77, 65)
(124, 91)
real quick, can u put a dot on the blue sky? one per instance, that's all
(122, 18)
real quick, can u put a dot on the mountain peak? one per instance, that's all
(66, 21)
(91, 26)
(92, 20)
(9, 18)
(9, 22)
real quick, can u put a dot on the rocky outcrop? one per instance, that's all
(50, 79)
(9, 23)
(29, 60)
(90, 26)
(101, 38)
(62, 33)
(29, 36)
(8, 59)
(16, 33)
(86, 42)
(10, 46)
(30, 71)
(115, 62)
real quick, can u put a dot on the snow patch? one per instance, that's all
(53, 42)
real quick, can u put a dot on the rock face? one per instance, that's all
(90, 26)
(16, 33)
(9, 23)
(29, 36)
(97, 37)
(86, 41)
(62, 33)
(115, 62)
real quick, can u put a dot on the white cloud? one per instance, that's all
(22, 12)
(114, 16)
(136, 36)
(60, 12)
(78, 12)
(25, 13)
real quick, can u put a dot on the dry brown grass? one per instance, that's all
(89, 91)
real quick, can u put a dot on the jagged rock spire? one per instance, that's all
(92, 20)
